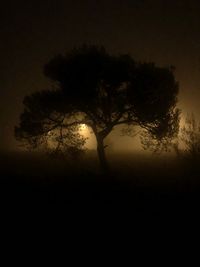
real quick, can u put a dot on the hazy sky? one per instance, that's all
(166, 32)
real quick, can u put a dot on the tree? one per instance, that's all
(189, 137)
(42, 124)
(101, 91)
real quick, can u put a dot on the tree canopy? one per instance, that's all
(101, 91)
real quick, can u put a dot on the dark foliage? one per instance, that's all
(101, 91)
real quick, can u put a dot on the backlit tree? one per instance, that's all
(101, 91)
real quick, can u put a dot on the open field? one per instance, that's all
(138, 185)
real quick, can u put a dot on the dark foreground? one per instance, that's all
(138, 188)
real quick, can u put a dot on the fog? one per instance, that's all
(115, 141)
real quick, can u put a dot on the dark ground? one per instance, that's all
(138, 187)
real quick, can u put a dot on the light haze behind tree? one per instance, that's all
(101, 91)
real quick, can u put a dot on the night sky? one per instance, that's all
(31, 32)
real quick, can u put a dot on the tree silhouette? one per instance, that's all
(101, 91)
(189, 136)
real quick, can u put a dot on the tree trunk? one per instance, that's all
(101, 154)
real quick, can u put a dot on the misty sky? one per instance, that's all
(166, 32)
